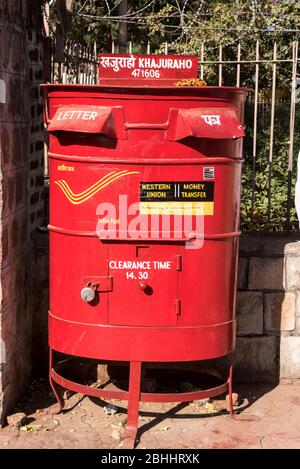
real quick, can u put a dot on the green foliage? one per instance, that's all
(84, 29)
(270, 207)
(186, 24)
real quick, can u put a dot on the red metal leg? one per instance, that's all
(230, 386)
(133, 405)
(57, 390)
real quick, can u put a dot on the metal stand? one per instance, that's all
(57, 390)
(230, 386)
(134, 396)
(133, 405)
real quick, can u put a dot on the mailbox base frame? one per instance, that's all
(134, 396)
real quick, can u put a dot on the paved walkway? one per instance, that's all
(270, 419)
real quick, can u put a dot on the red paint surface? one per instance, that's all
(89, 167)
(146, 68)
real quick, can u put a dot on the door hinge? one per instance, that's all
(178, 261)
(178, 307)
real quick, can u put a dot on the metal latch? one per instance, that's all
(104, 282)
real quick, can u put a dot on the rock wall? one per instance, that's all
(268, 308)
(21, 189)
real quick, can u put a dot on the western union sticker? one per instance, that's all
(177, 198)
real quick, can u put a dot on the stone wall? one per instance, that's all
(37, 132)
(21, 186)
(268, 308)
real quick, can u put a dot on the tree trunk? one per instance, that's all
(122, 27)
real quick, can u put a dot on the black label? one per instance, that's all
(183, 191)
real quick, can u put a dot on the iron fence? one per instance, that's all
(273, 139)
(79, 65)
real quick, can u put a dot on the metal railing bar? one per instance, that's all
(260, 61)
(291, 132)
(255, 130)
(272, 129)
(220, 65)
(95, 64)
(238, 66)
(202, 61)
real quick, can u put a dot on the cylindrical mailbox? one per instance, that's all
(144, 226)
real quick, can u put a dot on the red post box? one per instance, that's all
(144, 227)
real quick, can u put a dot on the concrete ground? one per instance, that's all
(267, 417)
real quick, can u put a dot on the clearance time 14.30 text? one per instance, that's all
(139, 265)
(138, 269)
(139, 275)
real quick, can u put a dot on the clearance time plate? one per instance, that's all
(177, 198)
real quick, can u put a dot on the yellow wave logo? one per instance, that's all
(83, 196)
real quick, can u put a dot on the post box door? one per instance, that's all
(144, 284)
